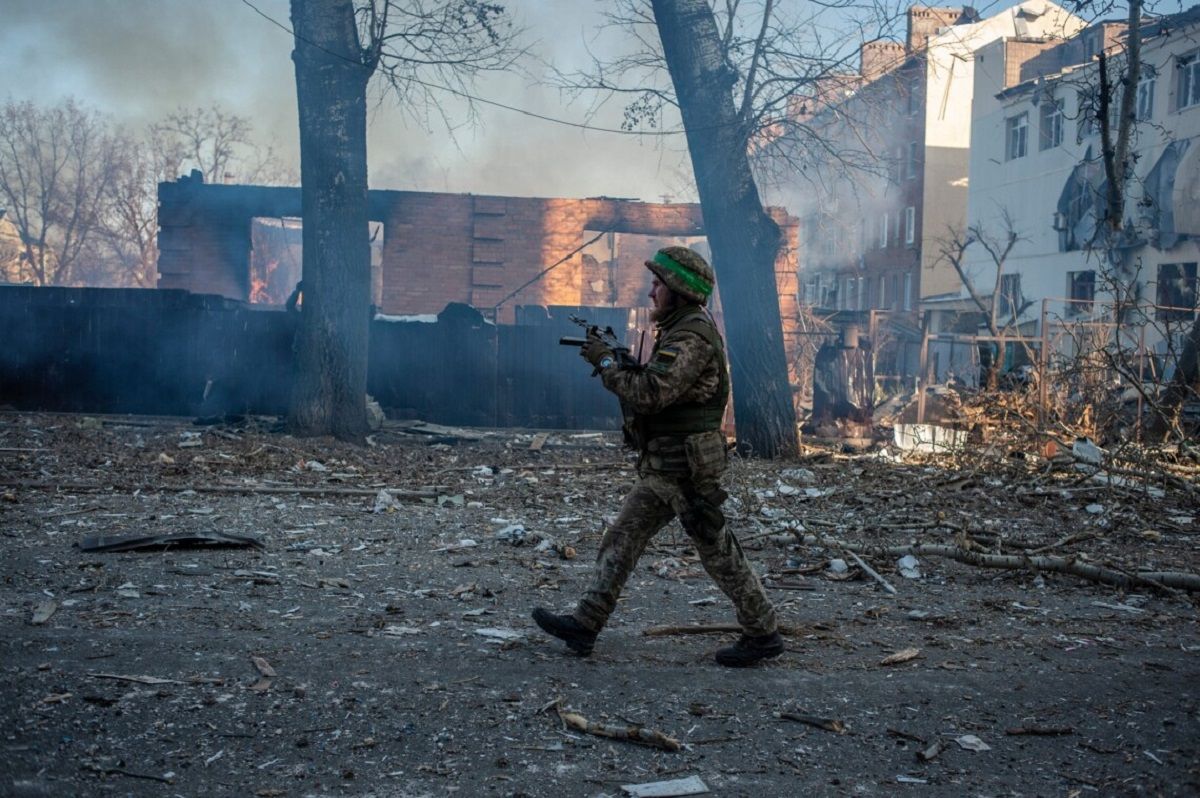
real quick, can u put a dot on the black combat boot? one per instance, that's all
(749, 650)
(577, 637)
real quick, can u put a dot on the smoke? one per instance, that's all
(138, 60)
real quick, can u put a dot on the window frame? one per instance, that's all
(910, 225)
(883, 230)
(1146, 87)
(1085, 115)
(1010, 299)
(1016, 131)
(1188, 84)
(1049, 139)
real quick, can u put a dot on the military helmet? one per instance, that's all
(684, 272)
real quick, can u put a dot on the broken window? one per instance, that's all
(277, 255)
(1081, 205)
(1081, 290)
(1176, 291)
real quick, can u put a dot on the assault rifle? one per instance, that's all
(609, 338)
(630, 426)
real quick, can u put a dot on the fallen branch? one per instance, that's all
(1165, 581)
(828, 724)
(634, 734)
(871, 572)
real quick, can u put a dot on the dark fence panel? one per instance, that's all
(171, 352)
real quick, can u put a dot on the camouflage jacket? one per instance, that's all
(683, 368)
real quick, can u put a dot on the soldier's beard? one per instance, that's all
(658, 314)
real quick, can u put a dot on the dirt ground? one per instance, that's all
(384, 648)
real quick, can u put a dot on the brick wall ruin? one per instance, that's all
(442, 248)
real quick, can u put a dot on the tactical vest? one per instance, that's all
(688, 418)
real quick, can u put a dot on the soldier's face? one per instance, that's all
(662, 298)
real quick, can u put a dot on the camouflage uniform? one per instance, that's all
(677, 475)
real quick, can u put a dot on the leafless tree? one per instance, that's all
(1001, 309)
(416, 45)
(216, 141)
(56, 164)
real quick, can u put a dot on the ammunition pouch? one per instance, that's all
(707, 457)
(666, 455)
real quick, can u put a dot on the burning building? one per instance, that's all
(493, 253)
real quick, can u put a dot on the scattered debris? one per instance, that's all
(930, 753)
(928, 438)
(969, 742)
(43, 612)
(136, 679)
(692, 785)
(385, 502)
(904, 655)
(501, 635)
(1040, 731)
(263, 667)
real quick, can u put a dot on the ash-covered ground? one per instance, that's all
(384, 648)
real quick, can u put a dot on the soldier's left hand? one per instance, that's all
(595, 351)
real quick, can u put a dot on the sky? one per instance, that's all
(138, 60)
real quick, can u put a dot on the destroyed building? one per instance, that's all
(481, 283)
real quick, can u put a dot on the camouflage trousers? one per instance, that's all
(655, 499)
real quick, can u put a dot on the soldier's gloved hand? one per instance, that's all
(595, 351)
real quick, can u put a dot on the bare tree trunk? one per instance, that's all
(329, 395)
(743, 238)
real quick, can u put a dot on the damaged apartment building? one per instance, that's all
(897, 182)
(1037, 169)
(974, 130)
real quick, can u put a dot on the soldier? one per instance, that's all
(677, 402)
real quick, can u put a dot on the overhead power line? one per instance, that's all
(468, 95)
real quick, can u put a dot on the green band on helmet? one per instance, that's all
(689, 277)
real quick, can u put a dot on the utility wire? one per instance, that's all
(552, 266)
(468, 95)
